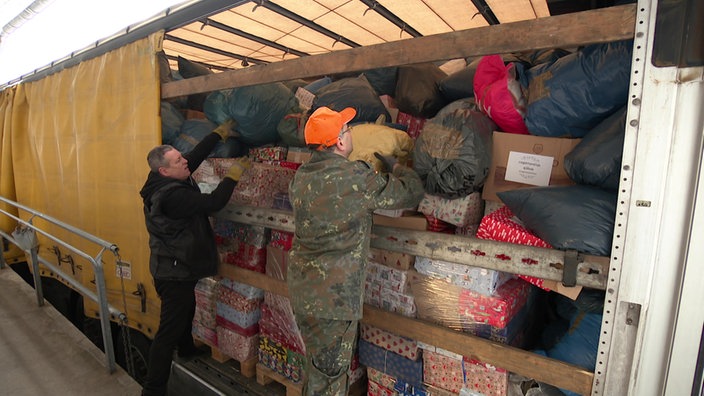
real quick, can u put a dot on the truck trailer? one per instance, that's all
(75, 136)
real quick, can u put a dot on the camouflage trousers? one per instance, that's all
(330, 345)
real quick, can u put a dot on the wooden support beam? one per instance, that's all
(502, 256)
(266, 217)
(528, 364)
(562, 31)
(256, 279)
(508, 257)
(516, 360)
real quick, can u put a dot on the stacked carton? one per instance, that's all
(238, 310)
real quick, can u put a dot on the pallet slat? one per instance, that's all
(266, 375)
(247, 367)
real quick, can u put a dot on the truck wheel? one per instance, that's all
(139, 352)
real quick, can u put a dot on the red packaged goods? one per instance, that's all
(413, 124)
(237, 346)
(281, 327)
(281, 239)
(260, 183)
(496, 310)
(212, 170)
(275, 153)
(403, 346)
(437, 225)
(485, 378)
(245, 256)
(502, 225)
(443, 371)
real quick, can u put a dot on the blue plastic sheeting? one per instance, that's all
(575, 93)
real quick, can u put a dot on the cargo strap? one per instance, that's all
(569, 272)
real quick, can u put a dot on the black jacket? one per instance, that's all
(181, 238)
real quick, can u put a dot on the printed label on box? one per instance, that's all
(529, 168)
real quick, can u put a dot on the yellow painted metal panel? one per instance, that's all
(7, 181)
(80, 156)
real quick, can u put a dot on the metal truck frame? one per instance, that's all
(651, 335)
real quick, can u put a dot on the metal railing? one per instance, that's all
(100, 298)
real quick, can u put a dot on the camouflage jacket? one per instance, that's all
(333, 199)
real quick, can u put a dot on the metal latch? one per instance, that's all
(65, 259)
(569, 272)
(142, 293)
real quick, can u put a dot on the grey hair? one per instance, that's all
(156, 159)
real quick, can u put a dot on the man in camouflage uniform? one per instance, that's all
(333, 199)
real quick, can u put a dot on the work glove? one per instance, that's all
(227, 129)
(238, 167)
(387, 162)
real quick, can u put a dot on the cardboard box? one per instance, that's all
(299, 155)
(404, 369)
(458, 212)
(529, 152)
(413, 221)
(396, 260)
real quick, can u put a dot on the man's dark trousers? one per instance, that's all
(178, 305)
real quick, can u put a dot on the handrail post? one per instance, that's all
(104, 313)
(34, 258)
(3, 264)
(101, 298)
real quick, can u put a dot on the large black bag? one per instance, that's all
(567, 217)
(452, 154)
(596, 160)
(573, 94)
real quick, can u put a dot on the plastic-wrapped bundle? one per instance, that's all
(189, 69)
(370, 138)
(596, 160)
(194, 130)
(258, 109)
(567, 217)
(477, 279)
(417, 90)
(352, 92)
(579, 342)
(499, 94)
(452, 155)
(572, 95)
(171, 121)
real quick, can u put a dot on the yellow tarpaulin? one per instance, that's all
(74, 147)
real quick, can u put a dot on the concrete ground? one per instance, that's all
(42, 353)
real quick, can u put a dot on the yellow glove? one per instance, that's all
(238, 167)
(227, 129)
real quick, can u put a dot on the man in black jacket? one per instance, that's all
(182, 244)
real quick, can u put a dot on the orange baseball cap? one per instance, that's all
(324, 125)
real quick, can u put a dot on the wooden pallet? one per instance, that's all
(265, 376)
(247, 367)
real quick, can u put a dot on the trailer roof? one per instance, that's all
(257, 32)
(227, 35)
